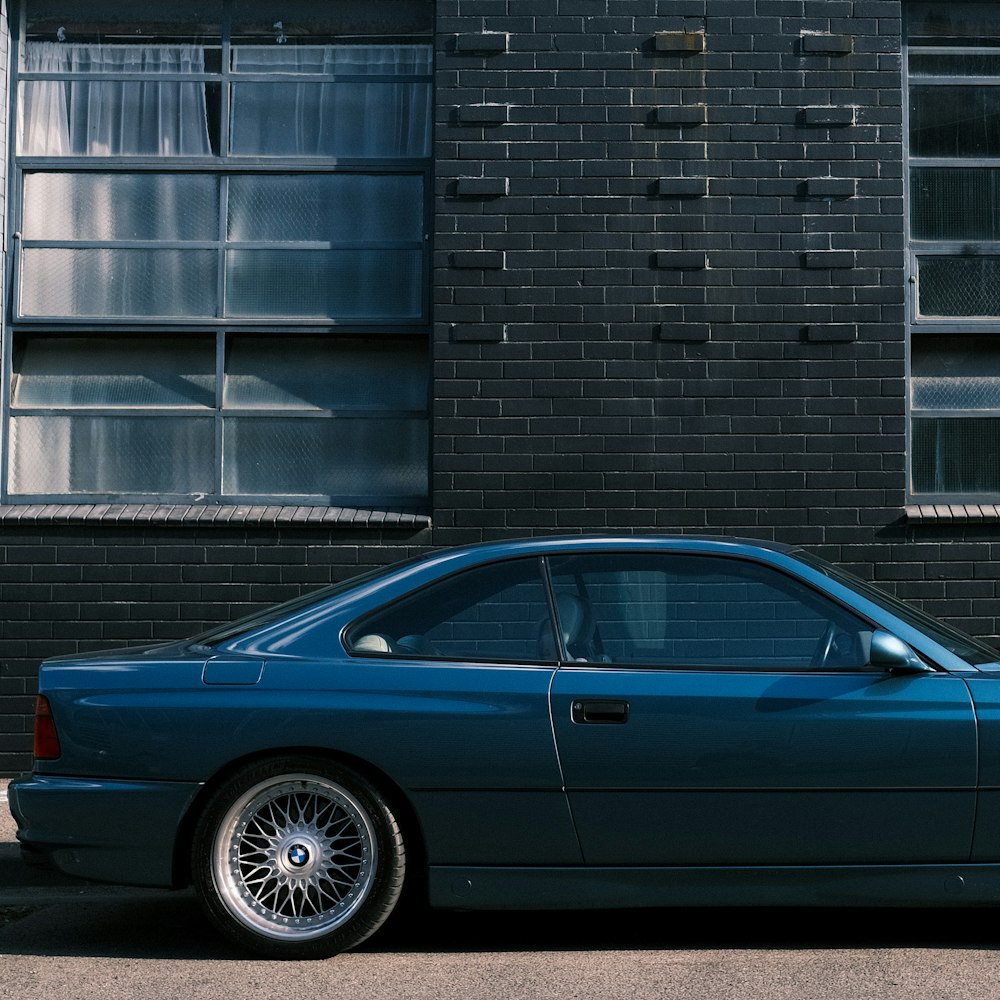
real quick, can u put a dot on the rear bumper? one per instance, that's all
(108, 831)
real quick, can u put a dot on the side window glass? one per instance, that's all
(689, 611)
(495, 612)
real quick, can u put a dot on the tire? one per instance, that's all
(297, 857)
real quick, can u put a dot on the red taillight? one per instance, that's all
(46, 737)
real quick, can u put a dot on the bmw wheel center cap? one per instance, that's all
(298, 856)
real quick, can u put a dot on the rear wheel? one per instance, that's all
(298, 858)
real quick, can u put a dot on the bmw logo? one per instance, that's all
(298, 856)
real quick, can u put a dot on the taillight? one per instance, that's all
(46, 737)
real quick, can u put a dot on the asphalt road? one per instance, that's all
(62, 939)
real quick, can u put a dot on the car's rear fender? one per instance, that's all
(401, 805)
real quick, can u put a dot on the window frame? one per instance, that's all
(762, 571)
(918, 325)
(359, 626)
(367, 623)
(222, 165)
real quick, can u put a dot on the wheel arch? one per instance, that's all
(405, 813)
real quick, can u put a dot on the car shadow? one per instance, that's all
(171, 925)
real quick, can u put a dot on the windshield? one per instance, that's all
(973, 651)
(260, 619)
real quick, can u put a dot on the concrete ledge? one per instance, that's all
(209, 514)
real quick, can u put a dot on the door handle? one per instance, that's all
(600, 713)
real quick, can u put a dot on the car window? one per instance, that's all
(494, 612)
(693, 611)
(972, 650)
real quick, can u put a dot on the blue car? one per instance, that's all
(586, 722)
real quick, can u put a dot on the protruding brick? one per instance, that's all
(481, 187)
(484, 333)
(829, 117)
(820, 42)
(832, 332)
(486, 42)
(686, 115)
(831, 187)
(829, 258)
(680, 42)
(697, 333)
(687, 260)
(484, 259)
(483, 114)
(684, 187)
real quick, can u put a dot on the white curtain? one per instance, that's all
(95, 117)
(381, 117)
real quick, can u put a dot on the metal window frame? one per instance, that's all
(223, 166)
(917, 324)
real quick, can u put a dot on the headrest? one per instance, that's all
(372, 643)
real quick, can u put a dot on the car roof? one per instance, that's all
(547, 544)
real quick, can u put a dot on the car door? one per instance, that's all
(454, 679)
(717, 711)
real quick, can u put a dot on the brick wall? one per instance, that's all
(688, 309)
(669, 295)
(670, 282)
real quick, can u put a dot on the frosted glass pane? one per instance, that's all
(334, 208)
(959, 455)
(354, 60)
(332, 119)
(940, 23)
(113, 206)
(956, 393)
(954, 63)
(90, 454)
(66, 57)
(334, 458)
(116, 282)
(955, 373)
(955, 203)
(955, 121)
(328, 284)
(327, 374)
(97, 371)
(959, 286)
(112, 118)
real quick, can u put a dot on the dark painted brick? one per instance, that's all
(481, 187)
(829, 258)
(680, 115)
(681, 259)
(832, 332)
(483, 114)
(828, 116)
(477, 332)
(487, 259)
(692, 332)
(679, 42)
(830, 187)
(684, 187)
(821, 42)
(486, 42)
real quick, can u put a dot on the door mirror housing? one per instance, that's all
(890, 653)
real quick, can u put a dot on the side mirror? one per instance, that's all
(890, 653)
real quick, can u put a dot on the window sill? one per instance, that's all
(929, 513)
(209, 514)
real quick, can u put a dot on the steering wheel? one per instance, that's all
(824, 647)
